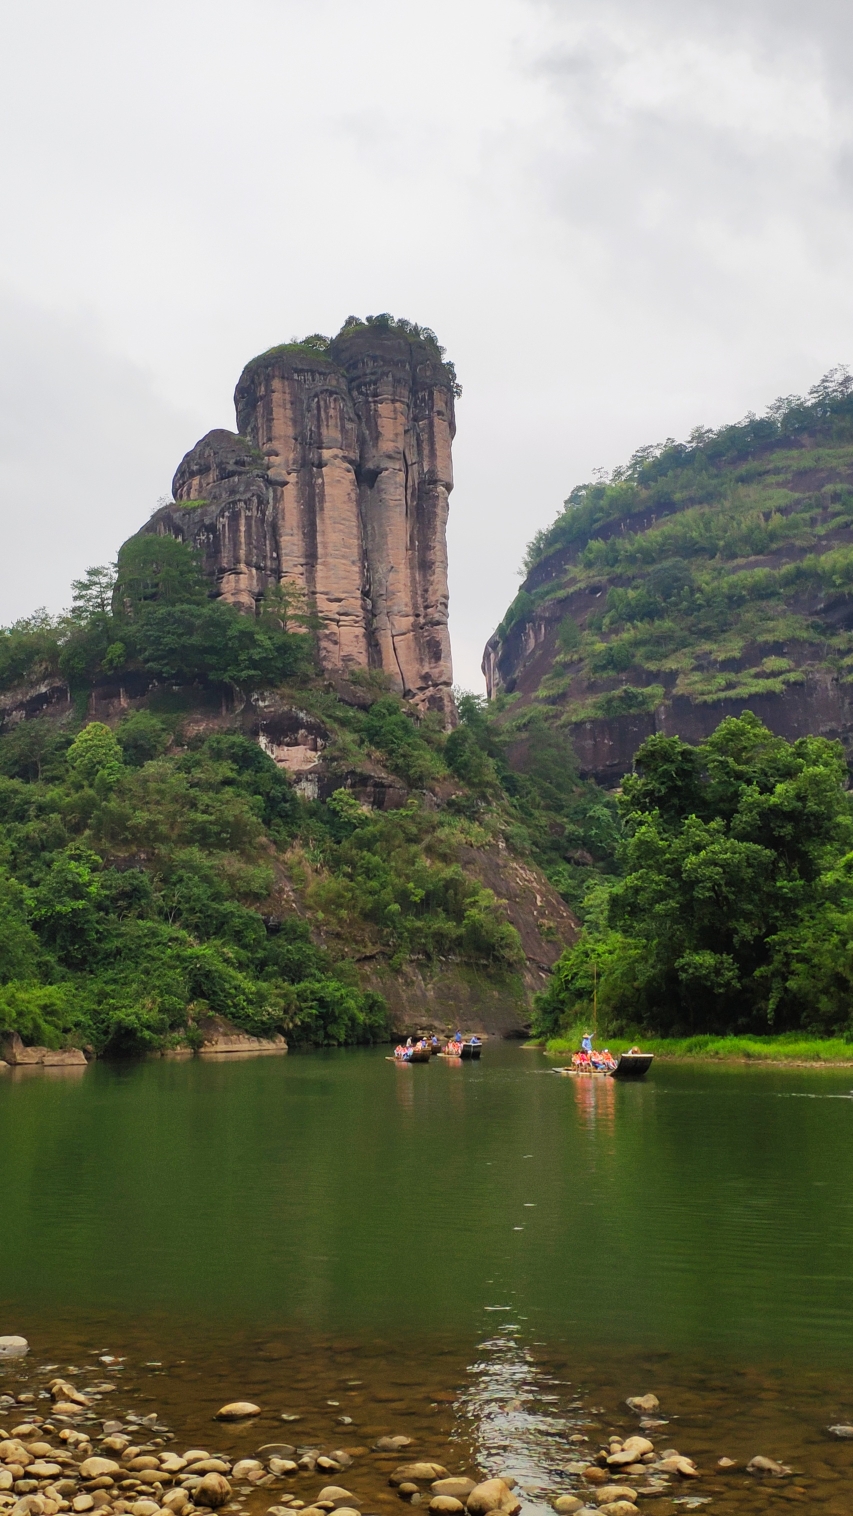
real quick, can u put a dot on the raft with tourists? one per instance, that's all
(634, 1064)
(462, 1047)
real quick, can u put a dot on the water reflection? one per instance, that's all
(595, 1099)
(516, 1419)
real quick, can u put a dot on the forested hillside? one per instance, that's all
(701, 578)
(159, 866)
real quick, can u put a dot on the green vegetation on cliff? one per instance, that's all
(733, 910)
(716, 570)
(157, 866)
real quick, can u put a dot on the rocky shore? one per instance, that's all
(60, 1452)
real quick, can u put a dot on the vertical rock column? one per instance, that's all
(404, 404)
(298, 414)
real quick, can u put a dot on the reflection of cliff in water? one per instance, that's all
(520, 1419)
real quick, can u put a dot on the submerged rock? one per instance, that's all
(237, 1410)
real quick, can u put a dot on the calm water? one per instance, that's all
(491, 1248)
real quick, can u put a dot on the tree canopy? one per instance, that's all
(734, 909)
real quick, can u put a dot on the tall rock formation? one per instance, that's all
(337, 483)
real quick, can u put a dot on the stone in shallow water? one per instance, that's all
(645, 1405)
(458, 1489)
(841, 1430)
(13, 1347)
(392, 1444)
(212, 1491)
(447, 1504)
(237, 1410)
(337, 1495)
(761, 1465)
(567, 1505)
(98, 1468)
(493, 1495)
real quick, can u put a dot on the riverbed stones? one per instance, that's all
(337, 1495)
(280, 1466)
(840, 1430)
(84, 1502)
(392, 1444)
(144, 1508)
(457, 1489)
(62, 1391)
(212, 1491)
(447, 1504)
(675, 1463)
(175, 1500)
(618, 1508)
(237, 1410)
(630, 1452)
(593, 1474)
(610, 1492)
(493, 1495)
(567, 1505)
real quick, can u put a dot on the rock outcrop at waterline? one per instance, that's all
(336, 485)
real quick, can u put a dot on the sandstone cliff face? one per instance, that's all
(338, 484)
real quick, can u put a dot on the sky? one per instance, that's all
(623, 219)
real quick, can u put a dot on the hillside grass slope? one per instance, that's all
(701, 579)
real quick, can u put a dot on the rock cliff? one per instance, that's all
(337, 485)
(704, 579)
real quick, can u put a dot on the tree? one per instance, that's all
(732, 852)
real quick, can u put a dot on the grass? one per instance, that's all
(791, 1047)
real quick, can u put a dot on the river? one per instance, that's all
(487, 1257)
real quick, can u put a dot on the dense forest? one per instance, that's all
(732, 910)
(152, 873)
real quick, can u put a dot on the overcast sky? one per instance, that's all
(623, 218)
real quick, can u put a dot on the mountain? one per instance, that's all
(700, 580)
(336, 486)
(235, 790)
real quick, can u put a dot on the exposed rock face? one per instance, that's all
(337, 484)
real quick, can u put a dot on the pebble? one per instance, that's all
(593, 1474)
(618, 1508)
(493, 1495)
(417, 1471)
(144, 1508)
(337, 1495)
(567, 1505)
(281, 1466)
(237, 1410)
(212, 1491)
(610, 1492)
(392, 1444)
(645, 1405)
(13, 1347)
(761, 1465)
(841, 1430)
(457, 1489)
(97, 1468)
(82, 1503)
(446, 1503)
(277, 1449)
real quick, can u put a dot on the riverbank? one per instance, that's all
(792, 1048)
